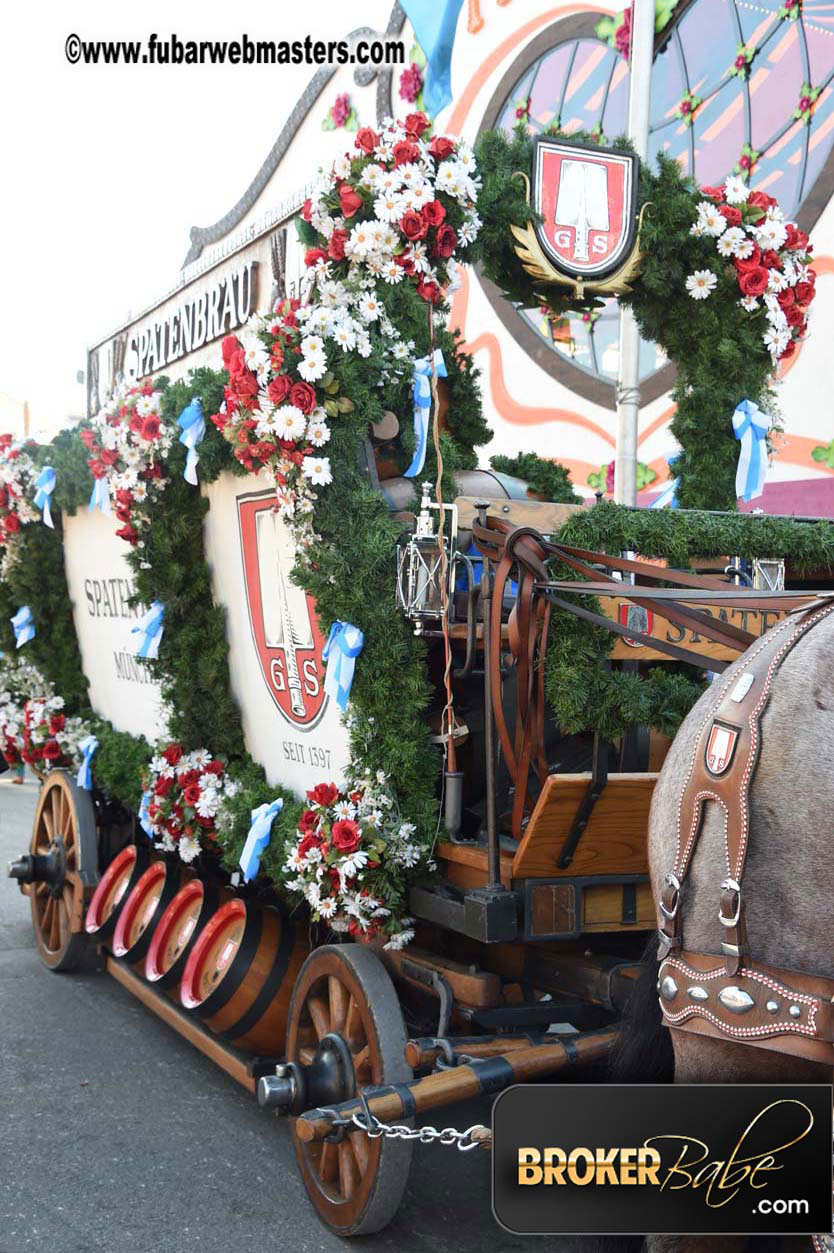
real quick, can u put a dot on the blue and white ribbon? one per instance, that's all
(100, 496)
(193, 425)
(45, 483)
(423, 372)
(84, 778)
(750, 427)
(668, 498)
(344, 644)
(150, 631)
(434, 23)
(23, 625)
(145, 815)
(258, 838)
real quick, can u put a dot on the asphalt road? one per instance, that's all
(116, 1134)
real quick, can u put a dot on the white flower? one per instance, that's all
(450, 178)
(776, 340)
(345, 811)
(736, 190)
(469, 231)
(318, 432)
(290, 422)
(313, 367)
(353, 863)
(312, 346)
(745, 249)
(199, 759)
(341, 167)
(317, 470)
(400, 939)
(701, 284)
(327, 906)
(749, 303)
(730, 241)
(363, 344)
(369, 307)
(388, 206)
(209, 803)
(771, 234)
(295, 861)
(710, 220)
(188, 848)
(371, 174)
(344, 336)
(391, 272)
(313, 894)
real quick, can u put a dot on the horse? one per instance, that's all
(788, 888)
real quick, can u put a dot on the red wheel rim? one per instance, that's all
(211, 957)
(175, 929)
(112, 887)
(138, 909)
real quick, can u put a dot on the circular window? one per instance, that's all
(772, 118)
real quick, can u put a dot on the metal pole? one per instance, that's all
(628, 382)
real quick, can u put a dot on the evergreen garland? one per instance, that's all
(717, 349)
(548, 478)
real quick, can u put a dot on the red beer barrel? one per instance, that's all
(240, 974)
(115, 885)
(143, 908)
(177, 931)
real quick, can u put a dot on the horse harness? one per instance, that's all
(735, 998)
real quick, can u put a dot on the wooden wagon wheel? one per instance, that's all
(65, 850)
(355, 1185)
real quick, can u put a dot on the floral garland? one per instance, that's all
(350, 858)
(17, 481)
(769, 261)
(187, 796)
(20, 681)
(33, 726)
(402, 206)
(127, 442)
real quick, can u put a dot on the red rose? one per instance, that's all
(123, 513)
(51, 750)
(336, 247)
(714, 193)
(12, 523)
(433, 212)
(795, 316)
(173, 754)
(303, 396)
(804, 293)
(441, 147)
(731, 214)
(4, 497)
(313, 255)
(324, 794)
(346, 836)
(429, 291)
(88, 439)
(310, 841)
(236, 364)
(753, 282)
(214, 767)
(413, 225)
(446, 242)
(231, 345)
(150, 428)
(98, 470)
(308, 821)
(366, 140)
(405, 152)
(129, 534)
(307, 209)
(163, 786)
(760, 200)
(246, 386)
(405, 263)
(109, 456)
(135, 424)
(279, 389)
(350, 201)
(788, 350)
(749, 263)
(771, 260)
(56, 723)
(415, 124)
(192, 794)
(786, 297)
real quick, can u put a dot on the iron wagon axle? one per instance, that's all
(49, 867)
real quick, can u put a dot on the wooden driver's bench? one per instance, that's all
(579, 868)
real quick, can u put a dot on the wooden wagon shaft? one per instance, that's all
(476, 1078)
(424, 1052)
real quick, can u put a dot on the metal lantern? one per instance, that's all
(421, 562)
(769, 574)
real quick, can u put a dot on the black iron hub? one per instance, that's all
(49, 867)
(328, 1080)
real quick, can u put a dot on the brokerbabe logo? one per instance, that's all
(677, 1159)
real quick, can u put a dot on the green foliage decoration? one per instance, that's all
(549, 478)
(717, 349)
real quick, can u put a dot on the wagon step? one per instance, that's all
(403, 1100)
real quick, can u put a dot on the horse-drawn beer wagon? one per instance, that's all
(351, 779)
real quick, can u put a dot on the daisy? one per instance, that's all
(388, 206)
(200, 758)
(736, 190)
(392, 273)
(776, 281)
(317, 470)
(363, 344)
(450, 178)
(771, 234)
(344, 336)
(208, 804)
(345, 811)
(295, 862)
(701, 284)
(318, 432)
(776, 340)
(399, 939)
(290, 422)
(312, 345)
(468, 233)
(710, 220)
(370, 175)
(341, 167)
(360, 242)
(745, 248)
(312, 367)
(730, 240)
(749, 303)
(188, 848)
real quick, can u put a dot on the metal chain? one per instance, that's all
(374, 1129)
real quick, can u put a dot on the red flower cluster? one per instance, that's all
(133, 422)
(185, 798)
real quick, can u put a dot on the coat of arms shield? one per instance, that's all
(587, 199)
(285, 628)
